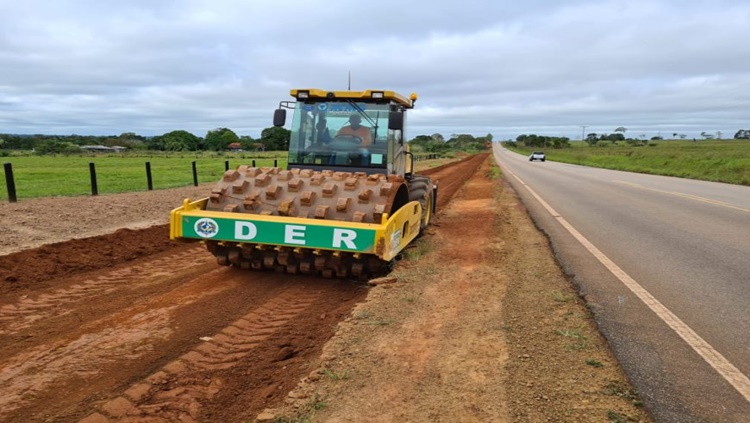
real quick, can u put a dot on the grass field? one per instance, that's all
(710, 160)
(46, 176)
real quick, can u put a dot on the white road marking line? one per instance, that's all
(684, 195)
(727, 370)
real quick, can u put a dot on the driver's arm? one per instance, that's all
(366, 136)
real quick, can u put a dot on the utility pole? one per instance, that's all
(583, 132)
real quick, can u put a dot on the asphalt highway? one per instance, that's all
(664, 264)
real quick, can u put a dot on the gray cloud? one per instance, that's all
(479, 67)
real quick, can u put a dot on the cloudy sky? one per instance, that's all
(100, 67)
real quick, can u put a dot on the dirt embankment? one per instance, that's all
(476, 324)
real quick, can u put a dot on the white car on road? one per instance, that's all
(537, 155)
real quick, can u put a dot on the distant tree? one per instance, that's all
(18, 142)
(437, 147)
(706, 135)
(657, 138)
(560, 142)
(592, 139)
(130, 136)
(613, 137)
(621, 130)
(57, 147)
(542, 141)
(682, 136)
(428, 143)
(438, 137)
(465, 142)
(175, 141)
(275, 138)
(421, 140)
(220, 138)
(718, 135)
(742, 134)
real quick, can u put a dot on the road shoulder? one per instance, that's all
(478, 324)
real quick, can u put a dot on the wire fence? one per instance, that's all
(36, 176)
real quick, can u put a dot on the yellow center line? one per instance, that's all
(683, 195)
(726, 369)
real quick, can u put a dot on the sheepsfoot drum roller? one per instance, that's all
(346, 206)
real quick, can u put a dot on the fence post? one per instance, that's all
(10, 182)
(253, 162)
(226, 165)
(149, 181)
(92, 171)
(275, 163)
(195, 174)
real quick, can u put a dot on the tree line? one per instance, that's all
(221, 139)
(436, 143)
(593, 138)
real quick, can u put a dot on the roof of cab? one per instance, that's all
(366, 95)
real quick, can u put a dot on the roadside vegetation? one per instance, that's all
(710, 160)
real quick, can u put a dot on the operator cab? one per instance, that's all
(350, 131)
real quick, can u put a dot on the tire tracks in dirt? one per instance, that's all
(21, 315)
(98, 360)
(175, 392)
(124, 335)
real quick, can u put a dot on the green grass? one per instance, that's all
(580, 340)
(46, 176)
(571, 333)
(58, 175)
(713, 160)
(562, 297)
(343, 375)
(305, 413)
(494, 172)
(416, 250)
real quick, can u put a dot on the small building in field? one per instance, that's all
(103, 148)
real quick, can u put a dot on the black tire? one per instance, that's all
(420, 189)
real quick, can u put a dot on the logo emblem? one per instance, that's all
(206, 228)
(322, 107)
